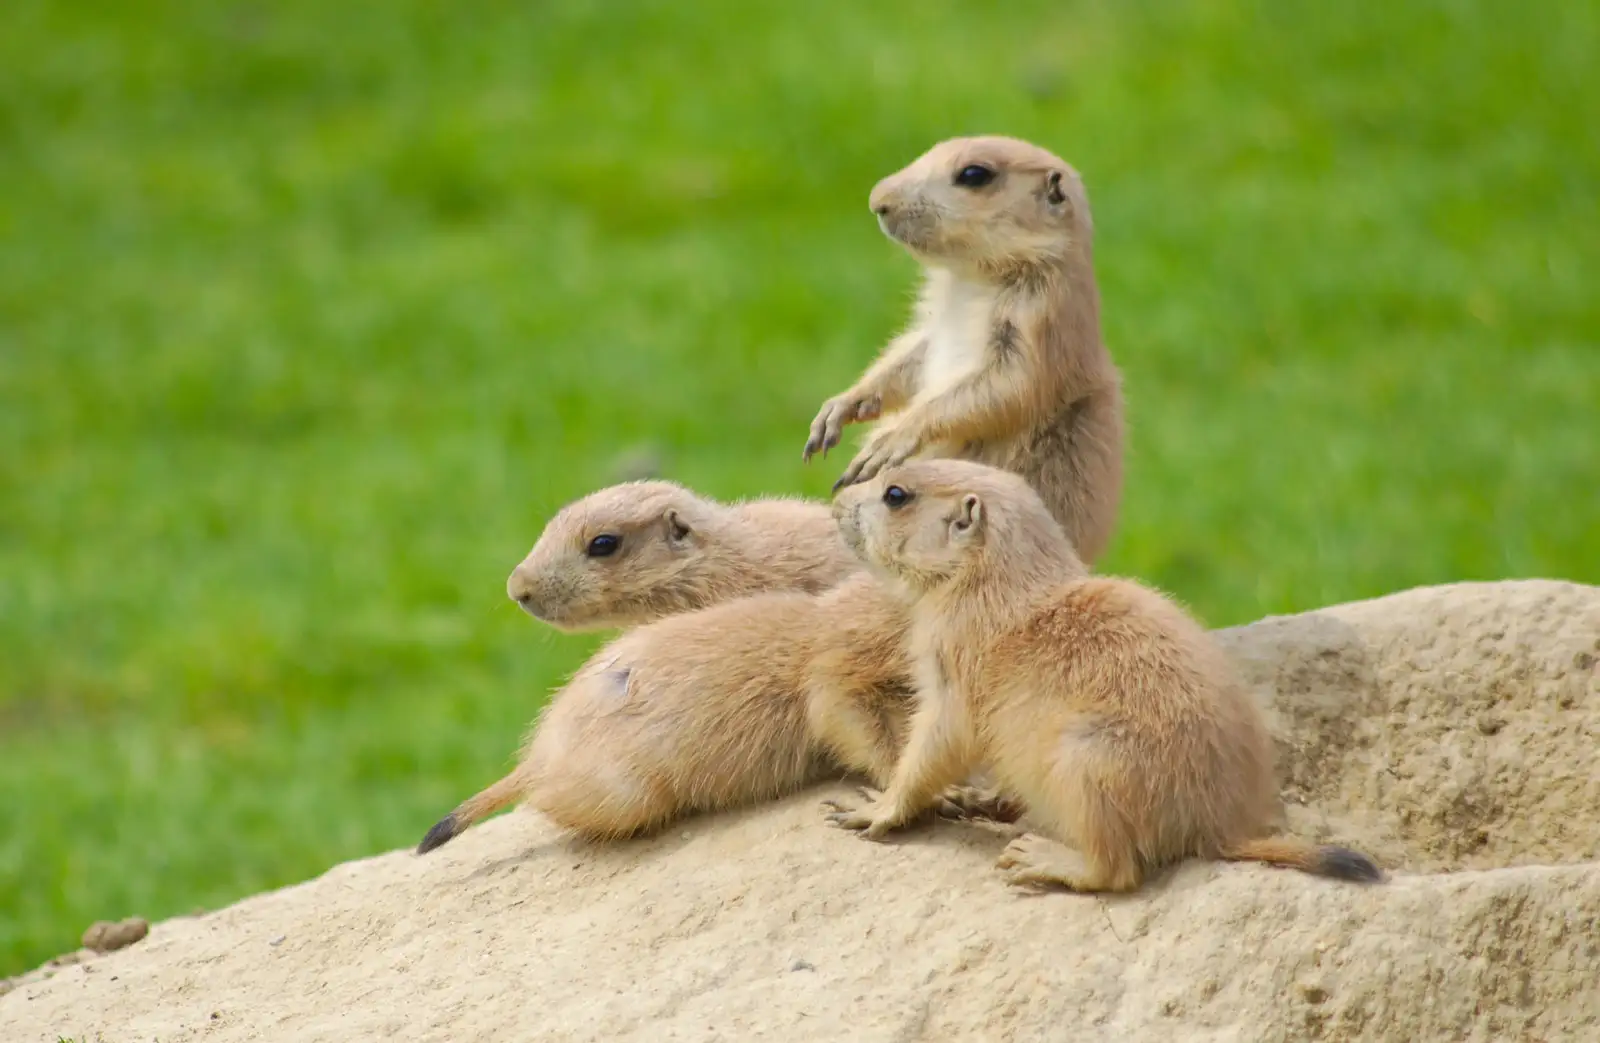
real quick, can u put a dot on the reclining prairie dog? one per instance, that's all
(635, 552)
(1003, 363)
(1100, 703)
(744, 701)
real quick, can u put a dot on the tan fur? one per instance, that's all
(1004, 362)
(740, 702)
(1099, 702)
(678, 551)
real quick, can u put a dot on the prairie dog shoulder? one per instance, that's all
(1098, 701)
(1003, 362)
(638, 551)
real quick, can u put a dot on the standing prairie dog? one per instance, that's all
(1100, 703)
(743, 701)
(635, 552)
(1004, 362)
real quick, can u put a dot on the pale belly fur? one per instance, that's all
(958, 340)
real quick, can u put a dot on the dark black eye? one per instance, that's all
(895, 497)
(975, 176)
(604, 545)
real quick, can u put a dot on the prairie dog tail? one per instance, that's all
(501, 794)
(1341, 863)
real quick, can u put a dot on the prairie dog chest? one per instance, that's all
(959, 316)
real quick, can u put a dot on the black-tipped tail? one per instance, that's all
(1330, 860)
(441, 834)
(1343, 863)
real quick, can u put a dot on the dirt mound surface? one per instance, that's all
(1453, 732)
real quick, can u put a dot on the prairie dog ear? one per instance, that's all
(678, 530)
(968, 522)
(1055, 193)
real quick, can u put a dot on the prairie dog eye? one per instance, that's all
(974, 176)
(603, 545)
(895, 497)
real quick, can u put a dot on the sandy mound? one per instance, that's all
(1450, 731)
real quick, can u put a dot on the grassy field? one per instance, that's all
(310, 314)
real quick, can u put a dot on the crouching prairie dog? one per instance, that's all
(1003, 362)
(740, 702)
(638, 551)
(1099, 702)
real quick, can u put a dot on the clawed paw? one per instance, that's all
(969, 802)
(866, 466)
(1036, 863)
(868, 820)
(888, 447)
(1018, 853)
(828, 427)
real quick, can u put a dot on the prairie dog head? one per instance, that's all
(613, 558)
(927, 523)
(984, 203)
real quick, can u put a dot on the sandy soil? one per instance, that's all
(1451, 732)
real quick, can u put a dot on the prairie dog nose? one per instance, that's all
(882, 198)
(519, 588)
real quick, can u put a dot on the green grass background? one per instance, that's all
(311, 313)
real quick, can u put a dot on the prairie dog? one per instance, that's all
(1099, 702)
(1003, 362)
(635, 552)
(743, 701)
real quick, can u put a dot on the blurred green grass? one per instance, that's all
(310, 314)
